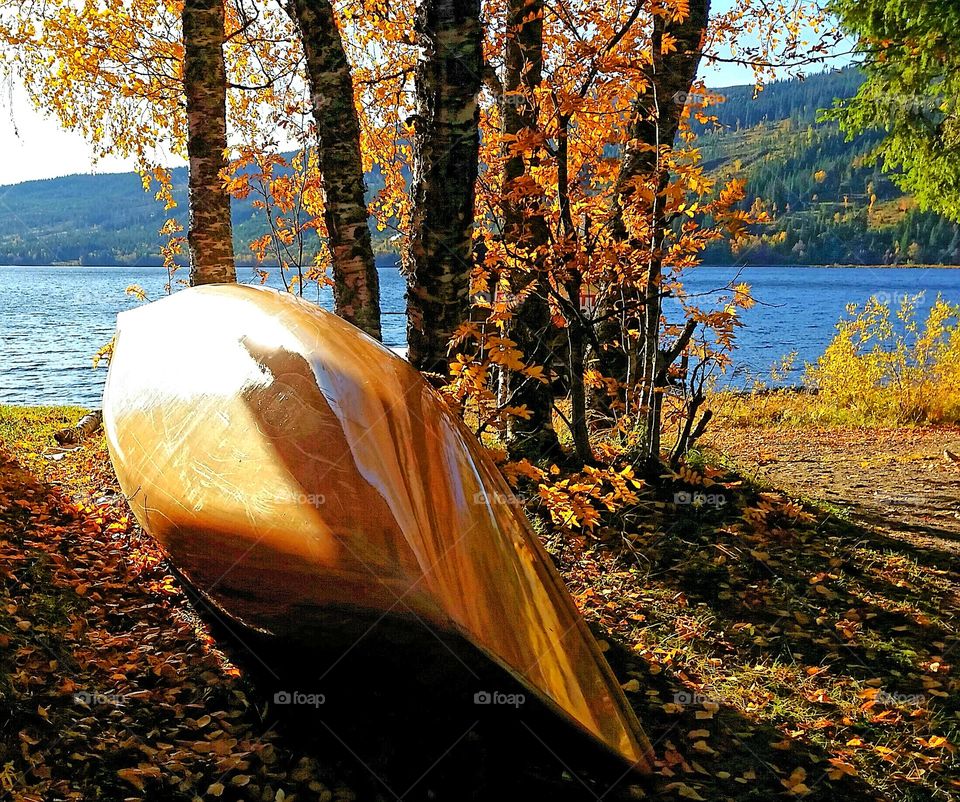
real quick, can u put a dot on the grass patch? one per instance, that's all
(28, 433)
(29, 430)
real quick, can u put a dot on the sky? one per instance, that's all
(34, 146)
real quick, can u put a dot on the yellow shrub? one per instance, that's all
(886, 367)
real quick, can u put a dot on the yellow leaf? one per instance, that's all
(685, 791)
(840, 769)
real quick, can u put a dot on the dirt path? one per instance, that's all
(897, 481)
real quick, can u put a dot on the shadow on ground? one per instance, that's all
(398, 720)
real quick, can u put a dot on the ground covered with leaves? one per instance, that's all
(110, 686)
(773, 644)
(792, 596)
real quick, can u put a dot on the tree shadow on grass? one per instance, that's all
(925, 551)
(790, 598)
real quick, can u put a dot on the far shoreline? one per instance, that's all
(381, 259)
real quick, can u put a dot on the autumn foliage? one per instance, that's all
(887, 365)
(590, 202)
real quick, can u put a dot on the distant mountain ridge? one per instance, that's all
(826, 205)
(108, 219)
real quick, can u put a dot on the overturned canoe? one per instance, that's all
(293, 467)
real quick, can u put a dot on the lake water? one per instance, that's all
(54, 319)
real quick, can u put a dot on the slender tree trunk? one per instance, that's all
(656, 119)
(674, 74)
(356, 289)
(445, 153)
(646, 362)
(658, 110)
(526, 234)
(576, 324)
(210, 235)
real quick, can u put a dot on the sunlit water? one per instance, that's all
(54, 319)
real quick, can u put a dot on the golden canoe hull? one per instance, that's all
(291, 467)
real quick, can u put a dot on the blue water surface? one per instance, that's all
(54, 319)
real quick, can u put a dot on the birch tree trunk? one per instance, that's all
(356, 289)
(674, 74)
(445, 152)
(210, 234)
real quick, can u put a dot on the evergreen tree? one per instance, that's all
(912, 69)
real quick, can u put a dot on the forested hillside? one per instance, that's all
(86, 219)
(107, 219)
(826, 205)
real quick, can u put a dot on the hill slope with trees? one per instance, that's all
(828, 204)
(108, 219)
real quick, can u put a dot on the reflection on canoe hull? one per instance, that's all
(292, 466)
